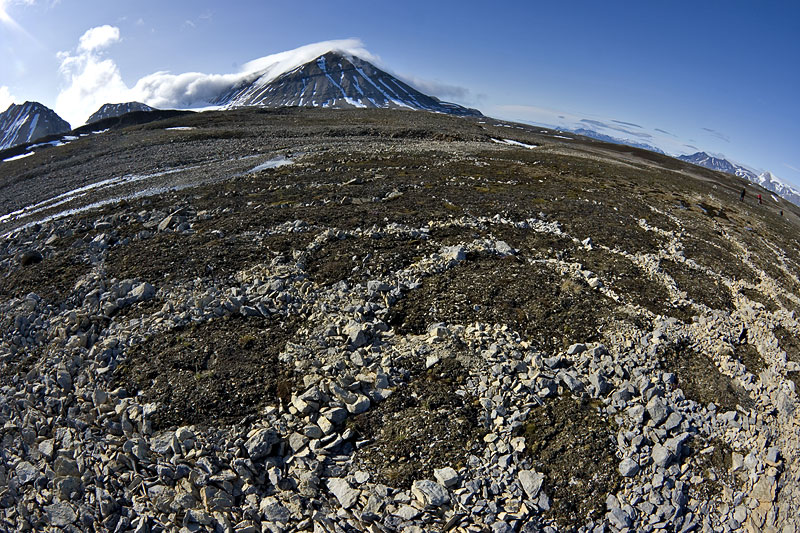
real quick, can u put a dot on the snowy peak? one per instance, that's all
(766, 179)
(714, 163)
(24, 123)
(336, 81)
(117, 110)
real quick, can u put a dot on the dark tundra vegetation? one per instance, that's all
(384, 320)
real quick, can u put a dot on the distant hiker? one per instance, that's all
(759, 198)
(781, 212)
(741, 198)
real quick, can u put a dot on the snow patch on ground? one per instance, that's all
(514, 143)
(21, 156)
(272, 163)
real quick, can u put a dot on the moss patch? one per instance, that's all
(205, 375)
(574, 448)
(422, 426)
(553, 311)
(700, 379)
(699, 286)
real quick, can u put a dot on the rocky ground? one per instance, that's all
(388, 321)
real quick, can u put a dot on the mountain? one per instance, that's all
(770, 182)
(23, 123)
(614, 140)
(335, 80)
(723, 165)
(766, 179)
(116, 110)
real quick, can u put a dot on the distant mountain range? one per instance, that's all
(24, 123)
(609, 139)
(765, 179)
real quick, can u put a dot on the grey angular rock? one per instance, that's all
(454, 253)
(657, 410)
(576, 348)
(261, 443)
(26, 472)
(347, 495)
(60, 514)
(628, 467)
(619, 518)
(142, 292)
(430, 493)
(446, 476)
(64, 466)
(272, 511)
(661, 456)
(407, 512)
(673, 421)
(531, 482)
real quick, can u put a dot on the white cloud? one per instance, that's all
(276, 64)
(98, 38)
(6, 99)
(92, 80)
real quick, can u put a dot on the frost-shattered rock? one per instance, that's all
(531, 482)
(60, 514)
(142, 292)
(657, 410)
(26, 472)
(261, 443)
(430, 493)
(446, 476)
(628, 467)
(661, 456)
(346, 494)
(454, 253)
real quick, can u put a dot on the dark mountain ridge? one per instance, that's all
(28, 122)
(337, 81)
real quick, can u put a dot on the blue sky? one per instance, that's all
(719, 76)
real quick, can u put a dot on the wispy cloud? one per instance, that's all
(718, 135)
(627, 123)
(787, 165)
(605, 125)
(665, 132)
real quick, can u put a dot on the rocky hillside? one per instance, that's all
(24, 123)
(378, 320)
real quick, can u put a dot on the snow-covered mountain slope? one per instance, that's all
(723, 165)
(335, 80)
(766, 179)
(116, 110)
(23, 123)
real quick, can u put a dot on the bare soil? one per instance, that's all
(573, 446)
(214, 373)
(700, 379)
(422, 426)
(551, 310)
